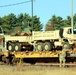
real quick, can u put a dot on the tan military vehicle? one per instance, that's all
(54, 39)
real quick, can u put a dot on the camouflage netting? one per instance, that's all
(16, 31)
(19, 32)
(26, 31)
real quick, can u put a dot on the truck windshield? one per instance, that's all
(74, 31)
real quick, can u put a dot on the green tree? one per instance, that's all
(26, 20)
(20, 20)
(74, 20)
(56, 22)
(9, 22)
(1, 21)
(37, 25)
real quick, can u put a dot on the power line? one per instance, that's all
(14, 4)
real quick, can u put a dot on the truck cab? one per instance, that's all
(69, 35)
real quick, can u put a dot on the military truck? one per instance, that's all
(19, 40)
(40, 40)
(48, 40)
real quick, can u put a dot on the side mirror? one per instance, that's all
(69, 31)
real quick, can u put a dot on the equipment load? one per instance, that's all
(26, 32)
(28, 40)
(16, 31)
(19, 32)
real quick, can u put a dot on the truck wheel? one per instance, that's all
(39, 46)
(47, 46)
(10, 47)
(68, 45)
(17, 47)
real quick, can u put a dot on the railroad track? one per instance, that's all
(49, 64)
(41, 64)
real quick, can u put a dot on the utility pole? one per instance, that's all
(32, 12)
(72, 15)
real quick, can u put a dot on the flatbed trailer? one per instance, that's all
(46, 55)
(34, 54)
(42, 54)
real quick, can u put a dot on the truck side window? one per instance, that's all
(69, 31)
(74, 31)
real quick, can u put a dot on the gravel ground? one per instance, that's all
(36, 70)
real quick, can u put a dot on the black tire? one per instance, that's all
(10, 47)
(39, 46)
(68, 45)
(17, 47)
(47, 46)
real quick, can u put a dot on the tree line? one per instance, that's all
(9, 22)
(57, 22)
